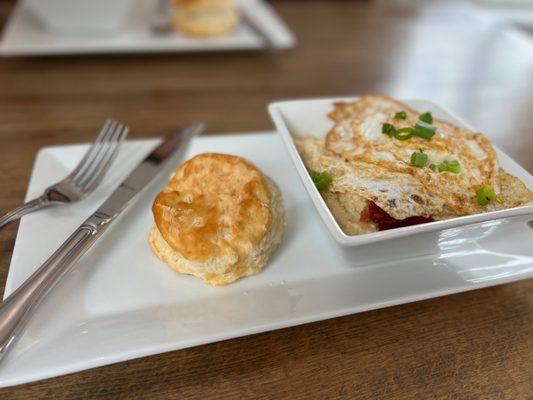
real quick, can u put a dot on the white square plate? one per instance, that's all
(24, 36)
(309, 117)
(121, 302)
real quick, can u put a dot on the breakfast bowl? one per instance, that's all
(309, 117)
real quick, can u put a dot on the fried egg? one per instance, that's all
(377, 167)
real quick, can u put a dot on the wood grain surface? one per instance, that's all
(476, 345)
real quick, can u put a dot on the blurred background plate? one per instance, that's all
(25, 35)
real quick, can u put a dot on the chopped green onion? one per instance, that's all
(485, 195)
(421, 129)
(453, 166)
(419, 159)
(321, 179)
(400, 115)
(500, 199)
(426, 117)
(424, 130)
(388, 130)
(404, 134)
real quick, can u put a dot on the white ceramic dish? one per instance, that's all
(121, 302)
(309, 117)
(75, 16)
(25, 36)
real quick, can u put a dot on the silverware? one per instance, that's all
(83, 179)
(17, 308)
(161, 19)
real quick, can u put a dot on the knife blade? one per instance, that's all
(16, 310)
(143, 174)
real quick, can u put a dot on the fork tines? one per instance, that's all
(91, 169)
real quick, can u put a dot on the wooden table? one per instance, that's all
(467, 346)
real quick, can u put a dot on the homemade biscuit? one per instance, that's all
(219, 218)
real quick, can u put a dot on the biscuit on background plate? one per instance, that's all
(219, 218)
(205, 18)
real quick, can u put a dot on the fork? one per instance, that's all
(83, 179)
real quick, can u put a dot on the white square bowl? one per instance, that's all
(309, 117)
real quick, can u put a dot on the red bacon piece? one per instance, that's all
(383, 221)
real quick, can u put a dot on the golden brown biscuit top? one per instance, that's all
(214, 204)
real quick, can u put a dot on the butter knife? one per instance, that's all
(16, 310)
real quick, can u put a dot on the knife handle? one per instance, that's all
(17, 308)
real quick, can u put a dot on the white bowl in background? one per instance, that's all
(80, 16)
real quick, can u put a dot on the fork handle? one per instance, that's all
(17, 308)
(26, 208)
